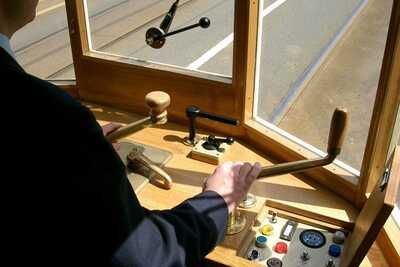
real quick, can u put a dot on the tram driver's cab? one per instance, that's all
(301, 86)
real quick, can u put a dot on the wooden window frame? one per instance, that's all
(112, 80)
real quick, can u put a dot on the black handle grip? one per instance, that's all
(167, 21)
(193, 112)
(218, 118)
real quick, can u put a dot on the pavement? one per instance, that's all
(349, 78)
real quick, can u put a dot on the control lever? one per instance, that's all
(336, 136)
(158, 102)
(136, 156)
(155, 40)
(167, 21)
(335, 141)
(193, 112)
(155, 36)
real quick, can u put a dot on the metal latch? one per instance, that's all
(385, 179)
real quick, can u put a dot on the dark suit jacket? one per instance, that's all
(67, 200)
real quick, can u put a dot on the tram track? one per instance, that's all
(57, 46)
(108, 28)
(109, 34)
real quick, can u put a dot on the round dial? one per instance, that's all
(312, 238)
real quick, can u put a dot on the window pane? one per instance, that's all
(119, 27)
(43, 47)
(317, 55)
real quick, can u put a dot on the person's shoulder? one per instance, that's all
(41, 97)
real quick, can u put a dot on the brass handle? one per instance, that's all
(336, 136)
(166, 182)
(337, 132)
(136, 155)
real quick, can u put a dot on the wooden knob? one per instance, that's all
(158, 102)
(337, 132)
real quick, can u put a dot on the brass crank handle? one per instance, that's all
(337, 133)
(167, 180)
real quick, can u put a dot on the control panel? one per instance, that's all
(286, 242)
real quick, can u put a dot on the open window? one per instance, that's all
(311, 59)
(278, 67)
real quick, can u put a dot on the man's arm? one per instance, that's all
(177, 237)
(132, 235)
(185, 234)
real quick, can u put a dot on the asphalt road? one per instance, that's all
(294, 34)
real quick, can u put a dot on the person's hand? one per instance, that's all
(109, 128)
(232, 180)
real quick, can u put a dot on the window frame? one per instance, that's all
(233, 97)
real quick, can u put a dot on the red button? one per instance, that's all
(281, 248)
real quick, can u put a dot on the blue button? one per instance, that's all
(335, 250)
(261, 241)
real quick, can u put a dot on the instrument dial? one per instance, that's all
(312, 238)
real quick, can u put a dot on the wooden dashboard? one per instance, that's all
(293, 193)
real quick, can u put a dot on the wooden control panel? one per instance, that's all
(290, 193)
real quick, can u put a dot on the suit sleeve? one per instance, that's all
(177, 237)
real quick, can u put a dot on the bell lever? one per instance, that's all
(167, 21)
(155, 32)
(155, 36)
(203, 23)
(193, 112)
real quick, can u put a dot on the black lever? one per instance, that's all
(193, 112)
(154, 32)
(203, 23)
(167, 21)
(155, 37)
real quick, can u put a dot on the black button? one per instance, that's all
(274, 262)
(254, 255)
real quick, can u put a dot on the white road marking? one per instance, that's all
(41, 12)
(211, 53)
(227, 41)
(272, 7)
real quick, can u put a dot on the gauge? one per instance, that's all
(312, 238)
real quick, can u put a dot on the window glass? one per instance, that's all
(315, 56)
(119, 27)
(43, 46)
(396, 212)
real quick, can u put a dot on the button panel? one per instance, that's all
(322, 248)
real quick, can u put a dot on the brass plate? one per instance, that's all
(158, 156)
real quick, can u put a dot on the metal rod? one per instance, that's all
(129, 129)
(292, 167)
(177, 31)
